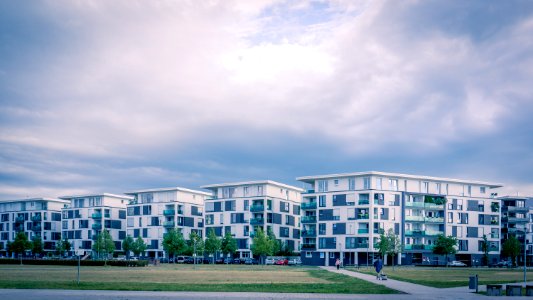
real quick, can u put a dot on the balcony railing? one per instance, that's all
(36, 228)
(361, 245)
(308, 219)
(434, 206)
(169, 224)
(494, 236)
(257, 221)
(257, 207)
(364, 202)
(36, 218)
(97, 226)
(517, 220)
(96, 216)
(308, 233)
(308, 205)
(19, 219)
(414, 232)
(308, 246)
(362, 231)
(418, 247)
(362, 216)
(414, 204)
(414, 218)
(435, 220)
(433, 232)
(517, 209)
(169, 212)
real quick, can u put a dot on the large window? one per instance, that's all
(393, 184)
(322, 200)
(379, 183)
(351, 184)
(366, 183)
(322, 186)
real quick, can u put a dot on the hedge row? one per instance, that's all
(61, 262)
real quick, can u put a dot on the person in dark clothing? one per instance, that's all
(378, 265)
(338, 263)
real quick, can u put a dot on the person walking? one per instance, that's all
(378, 265)
(338, 263)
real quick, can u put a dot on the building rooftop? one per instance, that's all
(35, 199)
(256, 182)
(169, 189)
(97, 195)
(311, 179)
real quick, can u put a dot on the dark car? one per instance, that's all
(228, 260)
(206, 260)
(189, 260)
(251, 261)
(237, 261)
(219, 261)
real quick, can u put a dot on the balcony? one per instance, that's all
(414, 232)
(362, 231)
(517, 220)
(19, 219)
(432, 233)
(309, 192)
(308, 246)
(36, 218)
(308, 233)
(36, 228)
(414, 204)
(308, 219)
(362, 217)
(169, 212)
(169, 224)
(418, 247)
(97, 226)
(364, 202)
(414, 218)
(517, 209)
(309, 205)
(257, 207)
(361, 245)
(96, 215)
(180, 212)
(257, 221)
(433, 206)
(494, 236)
(435, 220)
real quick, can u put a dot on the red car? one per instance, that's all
(282, 262)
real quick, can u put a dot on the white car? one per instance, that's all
(295, 261)
(456, 263)
(270, 261)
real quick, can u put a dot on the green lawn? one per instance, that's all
(448, 277)
(215, 278)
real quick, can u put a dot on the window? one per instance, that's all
(460, 204)
(221, 218)
(322, 228)
(332, 255)
(336, 214)
(336, 182)
(469, 190)
(379, 183)
(308, 254)
(482, 189)
(259, 190)
(366, 183)
(450, 217)
(209, 219)
(425, 187)
(437, 188)
(322, 200)
(393, 184)
(246, 205)
(245, 191)
(322, 186)
(351, 184)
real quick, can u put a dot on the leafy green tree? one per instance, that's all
(262, 245)
(394, 245)
(485, 249)
(104, 244)
(67, 246)
(511, 248)
(229, 244)
(383, 244)
(138, 246)
(21, 244)
(274, 243)
(445, 245)
(127, 246)
(212, 243)
(174, 243)
(37, 245)
(195, 244)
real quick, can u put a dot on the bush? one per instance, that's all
(62, 262)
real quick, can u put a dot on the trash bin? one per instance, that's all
(494, 289)
(513, 290)
(472, 284)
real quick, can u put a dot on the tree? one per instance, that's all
(21, 244)
(383, 244)
(127, 246)
(212, 243)
(274, 243)
(394, 245)
(195, 244)
(511, 248)
(262, 244)
(485, 249)
(445, 246)
(173, 242)
(138, 246)
(59, 247)
(37, 245)
(66, 245)
(104, 244)
(229, 244)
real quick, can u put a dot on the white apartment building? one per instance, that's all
(242, 207)
(343, 215)
(36, 217)
(88, 215)
(153, 212)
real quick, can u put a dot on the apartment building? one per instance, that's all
(344, 214)
(88, 215)
(516, 221)
(240, 208)
(153, 212)
(35, 217)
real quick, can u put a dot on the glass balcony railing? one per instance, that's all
(308, 219)
(97, 226)
(309, 205)
(361, 245)
(364, 202)
(308, 246)
(36, 218)
(435, 220)
(96, 216)
(19, 219)
(257, 207)
(433, 232)
(308, 233)
(169, 224)
(169, 212)
(414, 232)
(36, 228)
(418, 247)
(257, 221)
(414, 204)
(362, 230)
(414, 218)
(434, 206)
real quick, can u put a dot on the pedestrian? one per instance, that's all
(338, 263)
(378, 265)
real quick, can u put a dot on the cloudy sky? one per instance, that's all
(112, 96)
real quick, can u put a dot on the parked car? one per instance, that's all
(228, 260)
(456, 263)
(295, 261)
(250, 261)
(282, 262)
(504, 264)
(219, 261)
(181, 259)
(237, 261)
(270, 261)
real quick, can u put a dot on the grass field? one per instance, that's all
(226, 278)
(449, 277)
